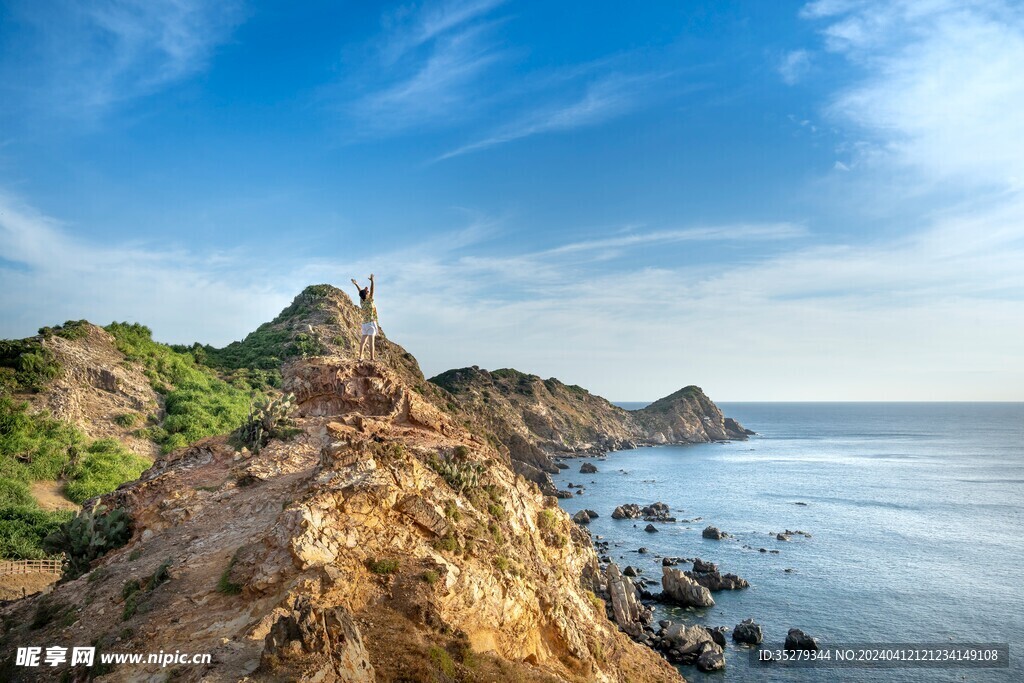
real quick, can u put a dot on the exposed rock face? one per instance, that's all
(629, 614)
(537, 418)
(581, 517)
(349, 551)
(714, 533)
(317, 644)
(96, 386)
(588, 468)
(748, 632)
(798, 640)
(679, 588)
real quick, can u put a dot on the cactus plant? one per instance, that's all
(460, 474)
(88, 536)
(270, 418)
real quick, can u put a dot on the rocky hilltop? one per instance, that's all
(363, 524)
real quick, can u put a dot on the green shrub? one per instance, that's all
(430, 576)
(270, 419)
(461, 476)
(447, 542)
(127, 420)
(442, 660)
(28, 365)
(224, 583)
(546, 519)
(23, 528)
(497, 511)
(502, 564)
(382, 566)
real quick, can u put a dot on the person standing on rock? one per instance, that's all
(368, 310)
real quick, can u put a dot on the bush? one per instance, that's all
(269, 420)
(224, 583)
(72, 329)
(23, 528)
(546, 519)
(382, 566)
(28, 365)
(430, 576)
(442, 660)
(460, 475)
(127, 420)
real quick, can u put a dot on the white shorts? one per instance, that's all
(370, 329)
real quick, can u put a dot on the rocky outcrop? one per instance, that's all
(714, 533)
(682, 590)
(316, 645)
(682, 644)
(629, 614)
(655, 512)
(588, 468)
(98, 390)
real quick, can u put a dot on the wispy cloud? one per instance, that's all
(601, 100)
(79, 59)
(741, 231)
(794, 65)
(436, 67)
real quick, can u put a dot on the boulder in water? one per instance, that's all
(748, 632)
(798, 640)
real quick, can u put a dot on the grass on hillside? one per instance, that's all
(36, 447)
(197, 403)
(257, 359)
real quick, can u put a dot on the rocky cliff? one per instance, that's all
(379, 541)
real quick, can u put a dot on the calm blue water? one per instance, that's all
(916, 513)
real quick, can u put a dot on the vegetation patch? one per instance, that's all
(224, 583)
(440, 658)
(197, 403)
(26, 365)
(89, 536)
(382, 566)
(35, 447)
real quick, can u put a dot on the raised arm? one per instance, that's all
(358, 288)
(371, 285)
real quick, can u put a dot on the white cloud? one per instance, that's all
(794, 66)
(82, 58)
(942, 87)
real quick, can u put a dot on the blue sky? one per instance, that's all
(776, 201)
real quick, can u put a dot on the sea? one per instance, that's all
(916, 519)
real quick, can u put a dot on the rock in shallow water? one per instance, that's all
(587, 468)
(798, 640)
(679, 588)
(748, 632)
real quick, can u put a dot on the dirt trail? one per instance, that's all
(50, 495)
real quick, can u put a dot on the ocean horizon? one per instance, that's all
(914, 511)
